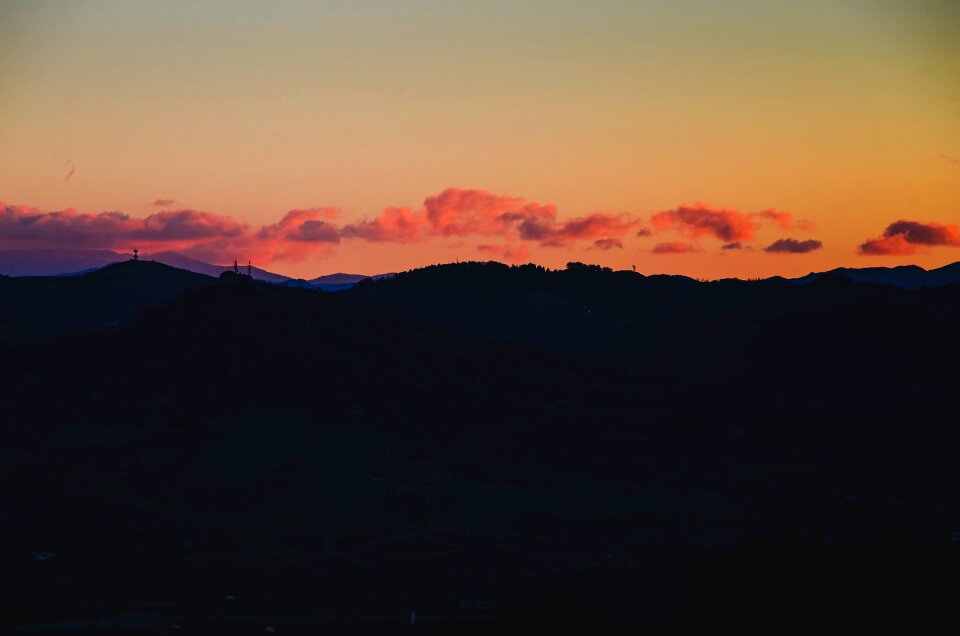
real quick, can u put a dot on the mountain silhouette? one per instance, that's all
(175, 259)
(64, 261)
(55, 262)
(906, 276)
(340, 281)
(499, 448)
(106, 297)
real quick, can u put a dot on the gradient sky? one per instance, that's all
(845, 114)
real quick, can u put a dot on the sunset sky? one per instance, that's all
(738, 138)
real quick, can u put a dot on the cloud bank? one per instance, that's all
(499, 225)
(730, 226)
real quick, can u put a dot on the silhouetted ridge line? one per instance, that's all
(906, 276)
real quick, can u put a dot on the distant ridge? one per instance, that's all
(905, 276)
(175, 259)
(338, 279)
(73, 261)
(68, 261)
(341, 281)
(55, 262)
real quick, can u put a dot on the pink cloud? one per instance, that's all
(887, 246)
(400, 225)
(21, 226)
(297, 234)
(699, 220)
(904, 237)
(925, 233)
(732, 227)
(504, 224)
(457, 212)
(303, 225)
(203, 235)
(592, 226)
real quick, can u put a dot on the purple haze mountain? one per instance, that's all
(66, 261)
(338, 279)
(906, 276)
(175, 259)
(54, 262)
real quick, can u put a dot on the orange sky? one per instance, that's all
(555, 125)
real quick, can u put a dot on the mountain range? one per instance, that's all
(68, 261)
(71, 261)
(906, 276)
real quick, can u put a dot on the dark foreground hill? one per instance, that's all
(105, 298)
(494, 449)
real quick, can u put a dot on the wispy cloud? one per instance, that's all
(504, 226)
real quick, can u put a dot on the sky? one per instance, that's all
(712, 139)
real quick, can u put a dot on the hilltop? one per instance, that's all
(104, 298)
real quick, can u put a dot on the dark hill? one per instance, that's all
(108, 297)
(829, 345)
(622, 317)
(581, 309)
(71, 261)
(279, 345)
